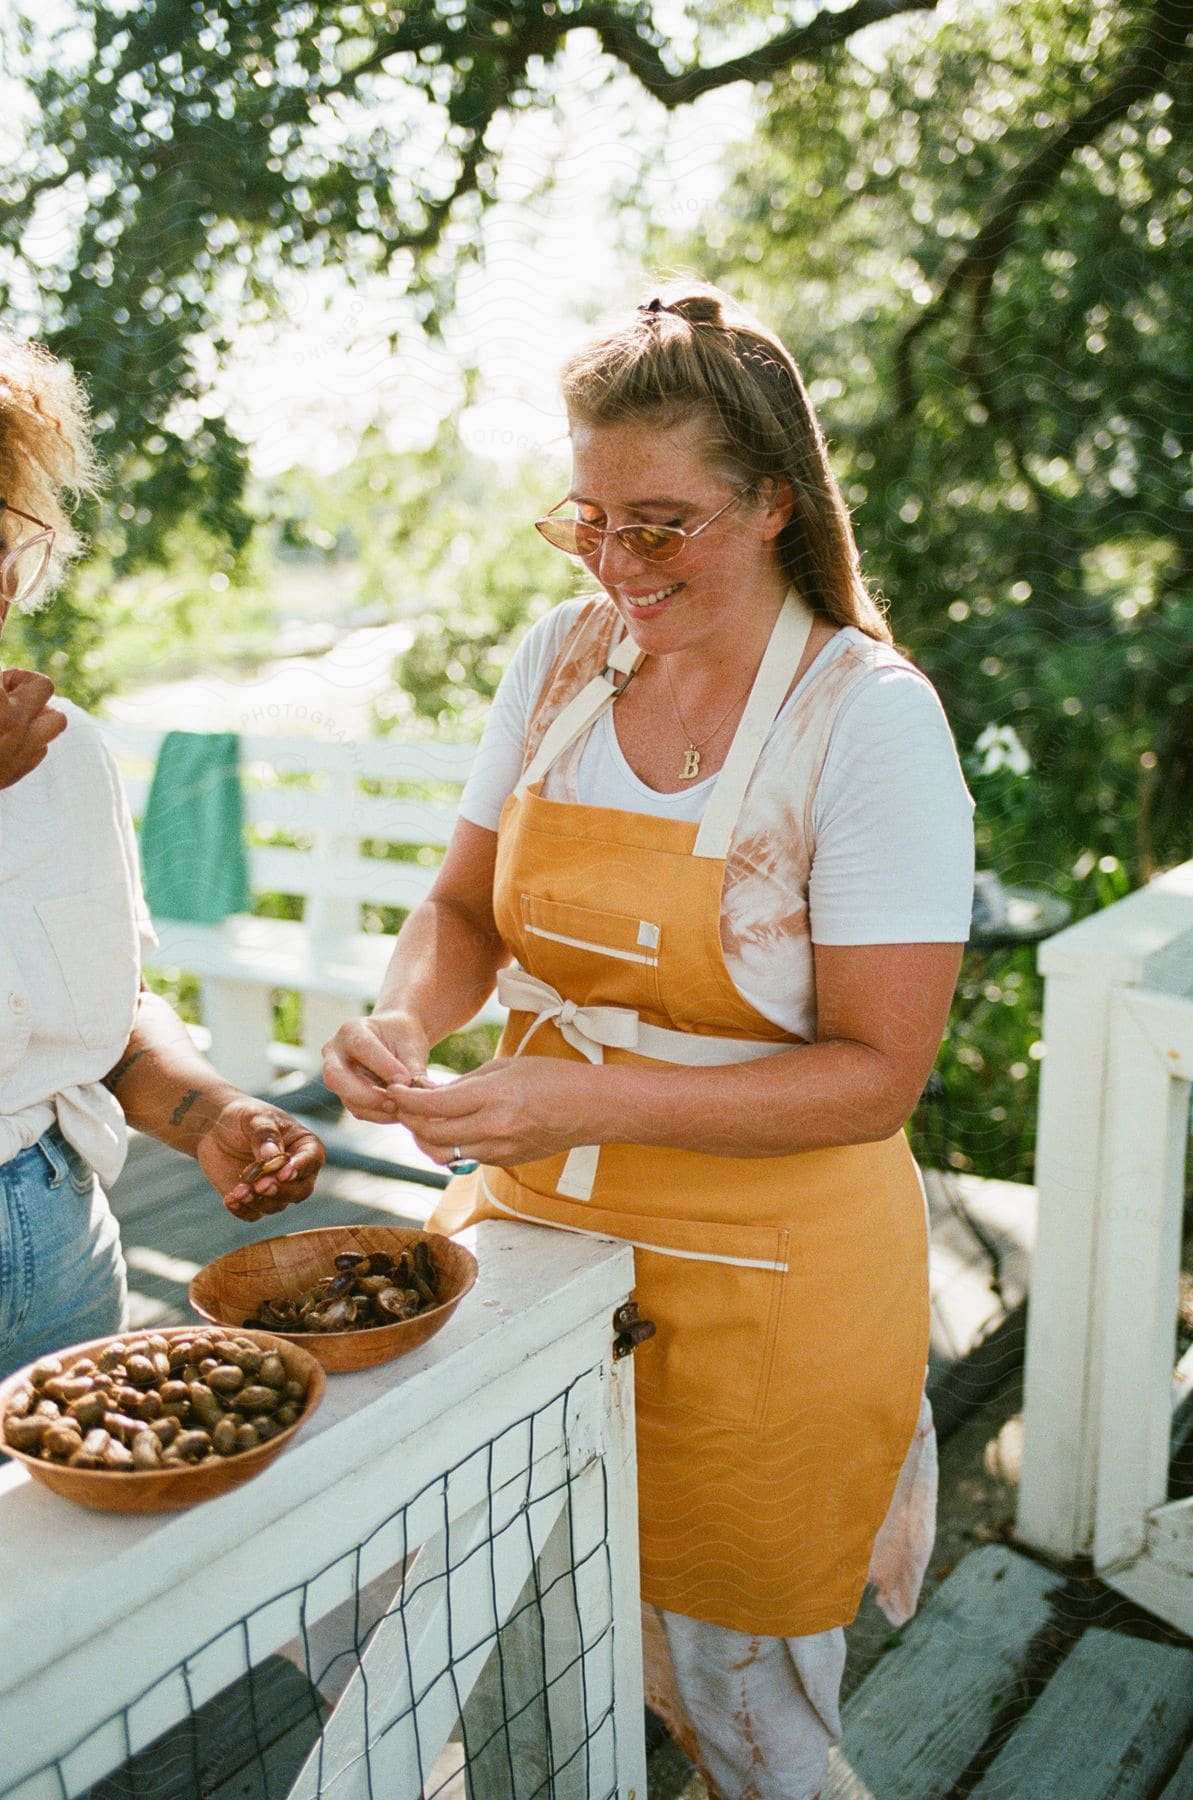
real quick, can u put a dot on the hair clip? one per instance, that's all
(655, 306)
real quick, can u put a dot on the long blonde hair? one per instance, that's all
(693, 351)
(47, 463)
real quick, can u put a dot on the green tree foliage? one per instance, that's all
(979, 247)
(192, 152)
(974, 233)
(445, 536)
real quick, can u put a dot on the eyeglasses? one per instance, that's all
(23, 568)
(653, 543)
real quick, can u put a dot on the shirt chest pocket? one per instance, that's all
(95, 954)
(594, 957)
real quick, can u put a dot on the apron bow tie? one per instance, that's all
(590, 1030)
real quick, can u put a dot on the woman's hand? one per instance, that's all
(368, 1057)
(28, 723)
(248, 1131)
(511, 1111)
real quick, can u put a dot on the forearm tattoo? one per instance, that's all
(184, 1106)
(121, 1070)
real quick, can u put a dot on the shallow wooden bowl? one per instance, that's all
(232, 1287)
(166, 1490)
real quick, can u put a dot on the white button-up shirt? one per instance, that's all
(73, 925)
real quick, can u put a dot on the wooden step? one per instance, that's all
(1108, 1723)
(246, 1743)
(1181, 1785)
(925, 1710)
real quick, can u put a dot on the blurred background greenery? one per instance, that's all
(972, 224)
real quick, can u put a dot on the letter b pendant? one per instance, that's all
(691, 765)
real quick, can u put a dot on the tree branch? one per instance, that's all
(973, 272)
(621, 37)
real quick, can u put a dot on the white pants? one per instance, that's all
(757, 1715)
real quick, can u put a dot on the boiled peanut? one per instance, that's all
(257, 1399)
(121, 1425)
(67, 1388)
(147, 1450)
(90, 1409)
(223, 1438)
(27, 1433)
(205, 1405)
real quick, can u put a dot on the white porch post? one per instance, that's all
(1145, 940)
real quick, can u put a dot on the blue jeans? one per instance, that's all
(62, 1274)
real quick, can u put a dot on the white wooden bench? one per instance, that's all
(347, 803)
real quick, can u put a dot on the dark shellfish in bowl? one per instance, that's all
(352, 1295)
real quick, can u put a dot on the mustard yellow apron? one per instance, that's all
(777, 1400)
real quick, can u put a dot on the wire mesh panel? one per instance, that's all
(420, 1598)
(464, 1647)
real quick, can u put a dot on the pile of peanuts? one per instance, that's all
(152, 1402)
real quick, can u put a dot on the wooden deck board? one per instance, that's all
(1105, 1728)
(922, 1714)
(245, 1743)
(1180, 1787)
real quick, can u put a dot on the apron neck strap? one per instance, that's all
(581, 710)
(779, 662)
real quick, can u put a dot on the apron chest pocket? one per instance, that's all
(619, 951)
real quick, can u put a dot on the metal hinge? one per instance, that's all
(629, 1330)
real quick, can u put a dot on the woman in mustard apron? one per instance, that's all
(717, 858)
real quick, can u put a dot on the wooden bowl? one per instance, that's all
(232, 1287)
(166, 1490)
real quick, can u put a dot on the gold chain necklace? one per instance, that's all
(691, 756)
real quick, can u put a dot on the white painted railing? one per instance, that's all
(1113, 1136)
(496, 1462)
(324, 792)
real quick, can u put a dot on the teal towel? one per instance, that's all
(192, 835)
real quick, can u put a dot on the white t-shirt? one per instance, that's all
(73, 924)
(892, 818)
